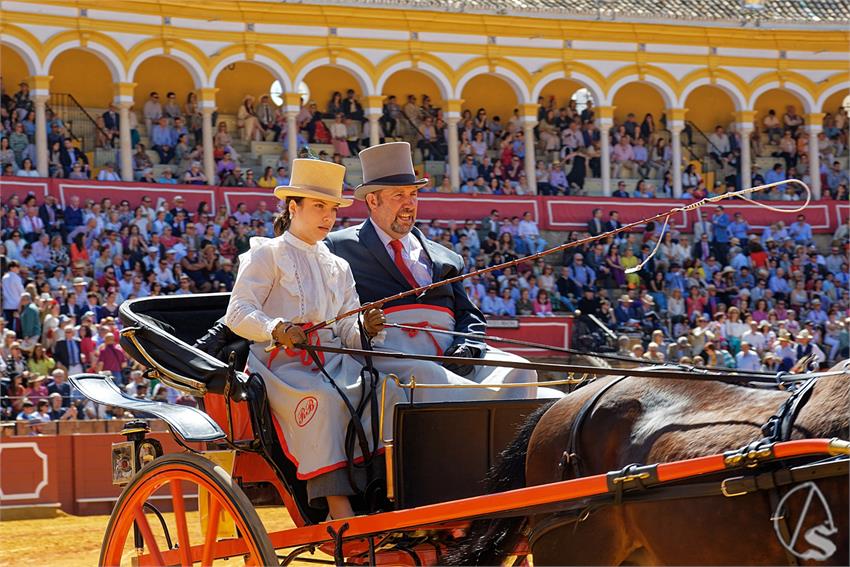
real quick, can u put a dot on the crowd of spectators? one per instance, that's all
(66, 270)
(491, 148)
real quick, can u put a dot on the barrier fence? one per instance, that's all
(550, 213)
(69, 472)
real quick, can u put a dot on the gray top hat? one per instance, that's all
(386, 165)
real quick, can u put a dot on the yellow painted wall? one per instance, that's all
(323, 81)
(709, 107)
(12, 69)
(492, 93)
(246, 78)
(562, 90)
(833, 103)
(777, 100)
(640, 99)
(162, 74)
(406, 82)
(83, 75)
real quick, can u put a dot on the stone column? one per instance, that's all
(374, 109)
(529, 121)
(605, 119)
(40, 95)
(744, 121)
(676, 159)
(453, 109)
(293, 107)
(676, 123)
(207, 108)
(124, 100)
(814, 125)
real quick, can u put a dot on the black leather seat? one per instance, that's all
(160, 332)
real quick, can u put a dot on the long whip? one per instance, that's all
(422, 290)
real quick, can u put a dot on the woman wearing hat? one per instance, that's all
(283, 285)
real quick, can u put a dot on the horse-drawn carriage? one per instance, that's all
(435, 500)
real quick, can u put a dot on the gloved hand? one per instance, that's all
(373, 322)
(465, 351)
(288, 335)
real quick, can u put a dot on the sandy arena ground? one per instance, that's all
(74, 541)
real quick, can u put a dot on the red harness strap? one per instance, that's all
(303, 354)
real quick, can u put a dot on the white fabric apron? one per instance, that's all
(286, 279)
(424, 342)
(310, 412)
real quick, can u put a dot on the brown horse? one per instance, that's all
(652, 420)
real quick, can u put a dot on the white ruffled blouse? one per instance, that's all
(286, 279)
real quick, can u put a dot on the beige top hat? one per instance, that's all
(384, 166)
(315, 179)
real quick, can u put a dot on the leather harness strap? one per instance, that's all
(571, 456)
(781, 424)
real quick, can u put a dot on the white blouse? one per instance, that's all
(286, 279)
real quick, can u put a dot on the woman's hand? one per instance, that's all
(373, 321)
(288, 335)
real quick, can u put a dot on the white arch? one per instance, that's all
(359, 73)
(516, 83)
(113, 63)
(443, 83)
(25, 51)
(738, 98)
(663, 88)
(801, 93)
(189, 63)
(581, 78)
(828, 93)
(264, 61)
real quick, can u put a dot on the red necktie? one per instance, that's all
(401, 265)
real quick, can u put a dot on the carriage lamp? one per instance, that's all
(130, 456)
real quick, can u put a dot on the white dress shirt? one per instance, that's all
(413, 254)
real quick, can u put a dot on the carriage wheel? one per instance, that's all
(186, 542)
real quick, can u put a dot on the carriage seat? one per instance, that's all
(163, 333)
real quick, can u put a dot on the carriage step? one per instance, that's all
(190, 424)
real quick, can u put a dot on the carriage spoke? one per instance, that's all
(212, 531)
(147, 535)
(182, 527)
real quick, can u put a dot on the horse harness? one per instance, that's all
(631, 482)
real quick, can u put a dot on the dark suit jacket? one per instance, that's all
(60, 353)
(377, 276)
(111, 120)
(45, 217)
(595, 230)
(696, 251)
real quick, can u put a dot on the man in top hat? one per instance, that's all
(389, 255)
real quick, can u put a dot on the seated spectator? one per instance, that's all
(194, 175)
(164, 140)
(623, 157)
(108, 173)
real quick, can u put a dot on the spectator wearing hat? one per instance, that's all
(806, 347)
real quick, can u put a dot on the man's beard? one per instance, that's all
(400, 228)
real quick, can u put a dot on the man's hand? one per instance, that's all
(463, 351)
(373, 321)
(288, 335)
